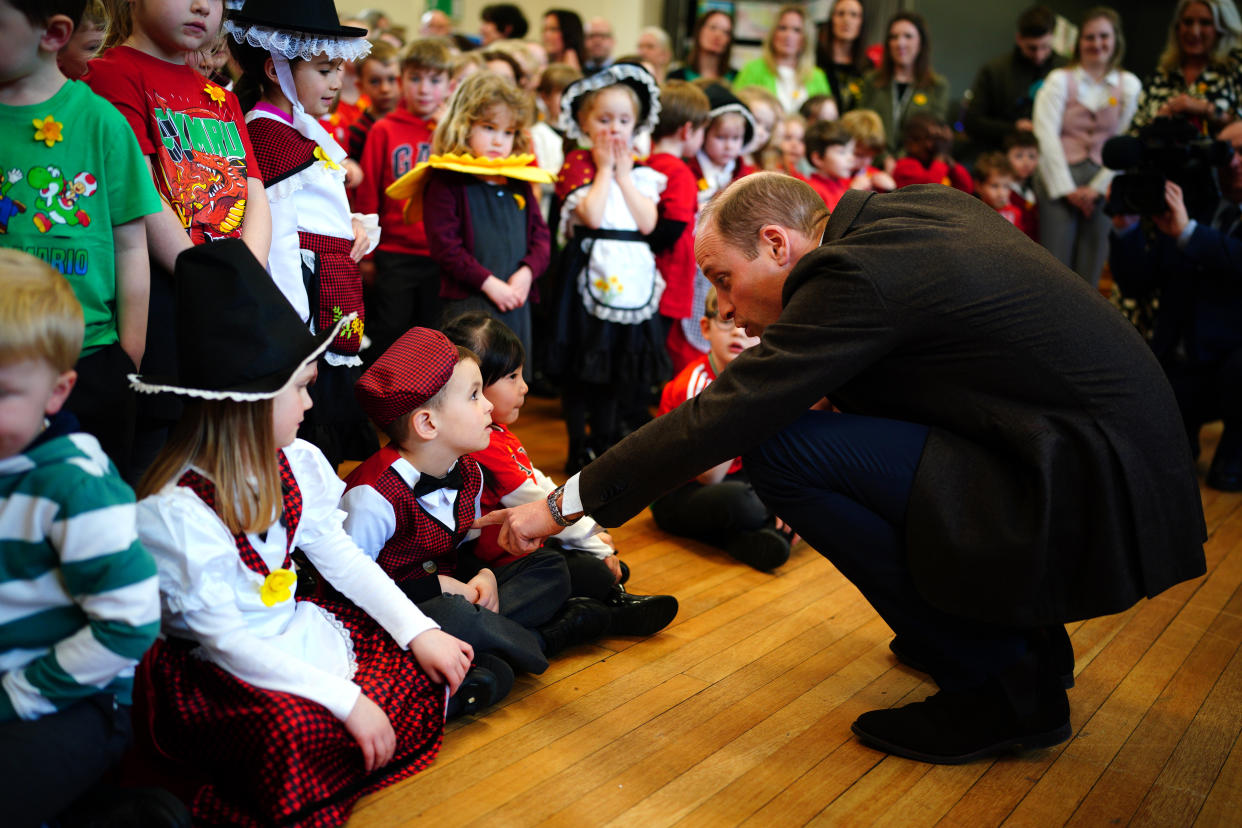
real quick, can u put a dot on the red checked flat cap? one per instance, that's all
(408, 374)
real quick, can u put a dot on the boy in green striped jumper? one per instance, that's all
(79, 597)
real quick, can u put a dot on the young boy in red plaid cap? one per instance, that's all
(411, 506)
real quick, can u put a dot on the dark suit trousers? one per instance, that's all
(842, 482)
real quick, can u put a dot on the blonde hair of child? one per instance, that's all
(429, 54)
(478, 96)
(867, 128)
(94, 14)
(40, 318)
(233, 444)
(711, 308)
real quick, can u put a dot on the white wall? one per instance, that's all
(628, 17)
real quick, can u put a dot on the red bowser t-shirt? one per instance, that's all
(192, 129)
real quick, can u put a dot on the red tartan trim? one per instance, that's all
(290, 515)
(339, 287)
(277, 758)
(281, 150)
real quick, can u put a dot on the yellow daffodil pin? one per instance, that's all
(48, 130)
(920, 99)
(320, 155)
(277, 587)
(214, 92)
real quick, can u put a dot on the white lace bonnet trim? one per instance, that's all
(611, 76)
(302, 45)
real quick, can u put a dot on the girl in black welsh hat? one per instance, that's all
(609, 340)
(292, 55)
(292, 708)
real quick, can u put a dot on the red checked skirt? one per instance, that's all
(278, 759)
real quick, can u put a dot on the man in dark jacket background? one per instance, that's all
(1007, 455)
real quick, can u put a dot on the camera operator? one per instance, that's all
(1197, 268)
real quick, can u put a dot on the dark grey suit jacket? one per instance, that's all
(1056, 483)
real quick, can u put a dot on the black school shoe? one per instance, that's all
(764, 549)
(1053, 642)
(580, 621)
(487, 681)
(639, 615)
(1024, 708)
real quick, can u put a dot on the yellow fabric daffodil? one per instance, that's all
(214, 92)
(48, 130)
(411, 185)
(277, 587)
(320, 155)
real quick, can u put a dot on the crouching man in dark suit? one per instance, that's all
(1008, 455)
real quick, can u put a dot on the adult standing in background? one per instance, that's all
(501, 21)
(435, 23)
(1008, 455)
(1003, 95)
(842, 54)
(905, 82)
(563, 38)
(1077, 109)
(710, 50)
(599, 40)
(785, 69)
(655, 48)
(1196, 76)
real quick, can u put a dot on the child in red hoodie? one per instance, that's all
(405, 289)
(830, 149)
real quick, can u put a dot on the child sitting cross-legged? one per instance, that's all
(413, 504)
(293, 708)
(511, 479)
(80, 601)
(719, 507)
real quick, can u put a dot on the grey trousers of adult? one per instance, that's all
(1079, 242)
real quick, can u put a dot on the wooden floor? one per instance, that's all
(739, 712)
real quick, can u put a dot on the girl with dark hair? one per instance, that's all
(710, 50)
(905, 82)
(563, 38)
(841, 52)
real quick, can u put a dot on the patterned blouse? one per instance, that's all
(1220, 84)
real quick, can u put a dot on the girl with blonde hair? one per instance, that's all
(474, 195)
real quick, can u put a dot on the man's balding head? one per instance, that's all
(739, 211)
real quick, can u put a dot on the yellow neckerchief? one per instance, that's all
(411, 185)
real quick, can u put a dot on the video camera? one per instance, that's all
(1167, 149)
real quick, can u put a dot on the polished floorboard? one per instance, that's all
(739, 712)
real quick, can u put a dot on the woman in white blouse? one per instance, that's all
(1077, 109)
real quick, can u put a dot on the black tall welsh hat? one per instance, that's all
(238, 338)
(299, 29)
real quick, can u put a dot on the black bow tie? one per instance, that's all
(429, 483)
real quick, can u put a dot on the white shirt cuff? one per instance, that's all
(571, 500)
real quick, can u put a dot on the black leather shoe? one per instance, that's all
(765, 549)
(639, 615)
(487, 681)
(1225, 473)
(1053, 643)
(1022, 709)
(580, 621)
